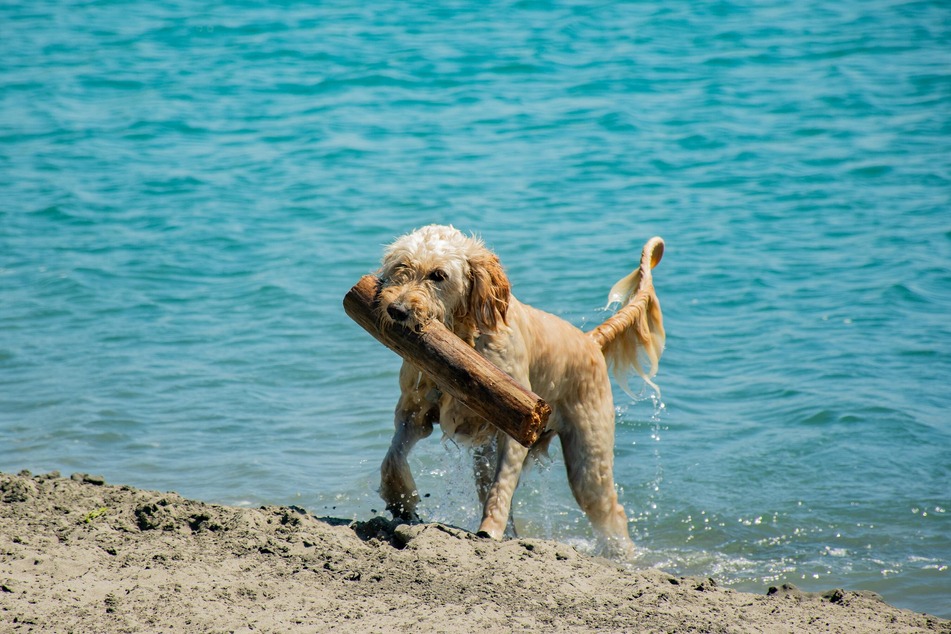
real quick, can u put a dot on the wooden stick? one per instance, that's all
(457, 368)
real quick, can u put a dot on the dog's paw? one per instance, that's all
(411, 518)
(401, 514)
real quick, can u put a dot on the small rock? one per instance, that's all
(402, 535)
(14, 491)
(785, 590)
(86, 478)
(375, 528)
(835, 596)
(702, 585)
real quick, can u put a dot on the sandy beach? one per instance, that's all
(80, 555)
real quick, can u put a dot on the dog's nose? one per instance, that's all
(397, 312)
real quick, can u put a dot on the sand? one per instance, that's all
(79, 555)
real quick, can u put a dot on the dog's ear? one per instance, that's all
(489, 290)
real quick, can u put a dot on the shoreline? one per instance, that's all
(79, 554)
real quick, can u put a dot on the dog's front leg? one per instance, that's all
(416, 412)
(397, 487)
(498, 501)
(484, 461)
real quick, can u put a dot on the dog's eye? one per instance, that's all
(437, 275)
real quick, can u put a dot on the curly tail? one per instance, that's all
(636, 330)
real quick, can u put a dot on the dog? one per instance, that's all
(437, 272)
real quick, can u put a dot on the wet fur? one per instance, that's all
(439, 273)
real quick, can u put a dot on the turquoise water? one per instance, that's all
(187, 193)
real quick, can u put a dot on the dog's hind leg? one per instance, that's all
(498, 499)
(589, 460)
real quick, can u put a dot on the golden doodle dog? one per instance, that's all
(437, 272)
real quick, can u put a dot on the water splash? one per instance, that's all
(446, 478)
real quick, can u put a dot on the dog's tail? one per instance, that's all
(635, 333)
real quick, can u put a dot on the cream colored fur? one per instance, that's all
(439, 273)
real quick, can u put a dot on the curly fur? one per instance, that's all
(437, 272)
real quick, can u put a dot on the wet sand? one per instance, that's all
(79, 555)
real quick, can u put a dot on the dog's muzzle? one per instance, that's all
(397, 313)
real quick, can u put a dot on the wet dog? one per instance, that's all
(437, 272)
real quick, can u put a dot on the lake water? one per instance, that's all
(186, 194)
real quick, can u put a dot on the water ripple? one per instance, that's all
(189, 191)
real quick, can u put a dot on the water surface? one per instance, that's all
(186, 194)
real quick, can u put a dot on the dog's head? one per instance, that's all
(437, 272)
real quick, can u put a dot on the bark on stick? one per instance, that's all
(456, 367)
